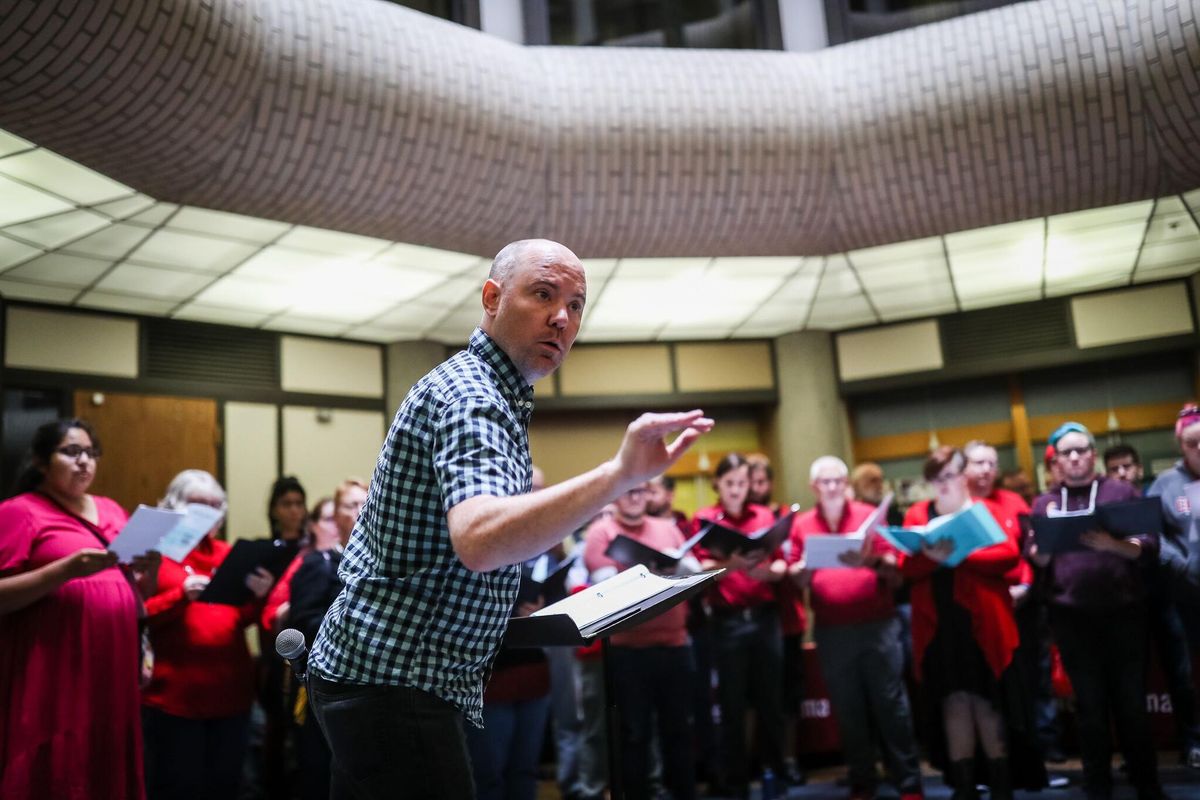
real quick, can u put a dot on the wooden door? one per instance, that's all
(147, 440)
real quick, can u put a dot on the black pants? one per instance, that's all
(1104, 653)
(391, 741)
(1174, 654)
(655, 683)
(193, 758)
(749, 649)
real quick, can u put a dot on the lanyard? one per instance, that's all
(1083, 512)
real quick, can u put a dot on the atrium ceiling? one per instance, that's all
(347, 168)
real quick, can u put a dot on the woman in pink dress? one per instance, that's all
(69, 664)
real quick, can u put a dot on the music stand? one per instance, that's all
(557, 630)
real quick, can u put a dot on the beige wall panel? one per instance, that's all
(1132, 315)
(739, 366)
(322, 454)
(68, 342)
(566, 444)
(251, 439)
(617, 370)
(889, 350)
(407, 363)
(324, 367)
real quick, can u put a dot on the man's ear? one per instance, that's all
(491, 297)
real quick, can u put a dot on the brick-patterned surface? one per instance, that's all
(369, 118)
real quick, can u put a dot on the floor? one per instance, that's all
(1179, 783)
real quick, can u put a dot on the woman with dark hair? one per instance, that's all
(964, 637)
(69, 662)
(746, 630)
(196, 708)
(286, 510)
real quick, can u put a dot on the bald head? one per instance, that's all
(533, 304)
(524, 251)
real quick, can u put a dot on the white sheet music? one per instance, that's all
(188, 532)
(144, 530)
(623, 590)
(821, 550)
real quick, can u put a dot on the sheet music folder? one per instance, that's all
(549, 629)
(1060, 534)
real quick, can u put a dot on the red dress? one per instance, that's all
(69, 703)
(980, 587)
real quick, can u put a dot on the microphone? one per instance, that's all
(290, 646)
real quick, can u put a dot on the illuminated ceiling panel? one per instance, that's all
(100, 245)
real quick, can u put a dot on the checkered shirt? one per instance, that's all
(409, 612)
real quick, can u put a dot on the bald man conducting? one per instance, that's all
(432, 567)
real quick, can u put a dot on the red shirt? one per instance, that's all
(1012, 507)
(843, 596)
(980, 587)
(736, 589)
(668, 629)
(202, 667)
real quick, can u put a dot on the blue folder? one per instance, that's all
(971, 529)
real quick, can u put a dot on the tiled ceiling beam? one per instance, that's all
(369, 118)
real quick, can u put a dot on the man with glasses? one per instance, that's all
(1180, 561)
(1097, 614)
(858, 638)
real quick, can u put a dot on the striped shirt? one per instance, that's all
(410, 613)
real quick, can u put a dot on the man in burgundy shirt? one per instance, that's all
(858, 637)
(651, 664)
(1097, 614)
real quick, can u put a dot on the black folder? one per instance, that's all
(723, 541)
(627, 551)
(228, 584)
(1061, 534)
(552, 589)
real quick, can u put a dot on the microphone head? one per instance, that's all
(289, 643)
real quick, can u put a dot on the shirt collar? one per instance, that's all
(512, 383)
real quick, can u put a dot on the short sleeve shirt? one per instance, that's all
(410, 613)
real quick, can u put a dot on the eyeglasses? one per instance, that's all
(946, 477)
(74, 451)
(638, 492)
(1073, 451)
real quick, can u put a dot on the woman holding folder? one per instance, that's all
(747, 636)
(69, 648)
(964, 637)
(196, 709)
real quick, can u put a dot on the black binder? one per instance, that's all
(551, 589)
(228, 584)
(1061, 534)
(723, 541)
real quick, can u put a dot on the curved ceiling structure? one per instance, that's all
(368, 118)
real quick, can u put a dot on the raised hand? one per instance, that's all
(645, 452)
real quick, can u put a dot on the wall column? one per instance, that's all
(802, 23)
(503, 18)
(810, 420)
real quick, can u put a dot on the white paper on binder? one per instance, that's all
(621, 591)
